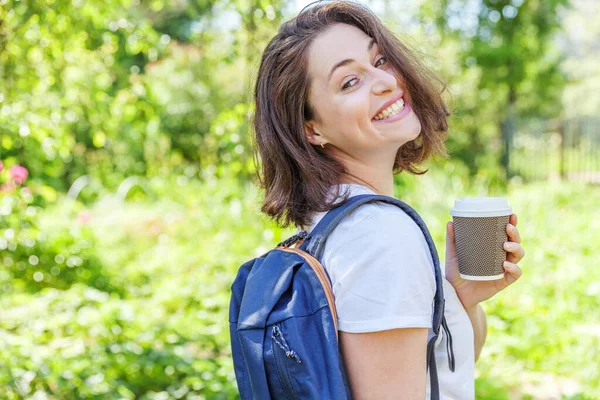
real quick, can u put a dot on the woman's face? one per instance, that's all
(348, 98)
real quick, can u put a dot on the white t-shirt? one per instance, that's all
(378, 286)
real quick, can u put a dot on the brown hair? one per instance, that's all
(296, 176)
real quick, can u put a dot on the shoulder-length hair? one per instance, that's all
(296, 175)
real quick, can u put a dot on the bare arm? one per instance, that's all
(389, 364)
(479, 322)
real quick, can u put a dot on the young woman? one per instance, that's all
(341, 106)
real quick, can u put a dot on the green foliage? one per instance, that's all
(502, 64)
(64, 68)
(547, 323)
(508, 43)
(166, 335)
(55, 253)
(119, 88)
(97, 345)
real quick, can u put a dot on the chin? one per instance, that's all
(411, 132)
(416, 133)
(410, 127)
(415, 128)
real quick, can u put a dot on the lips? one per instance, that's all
(387, 104)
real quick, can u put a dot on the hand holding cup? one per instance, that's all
(472, 289)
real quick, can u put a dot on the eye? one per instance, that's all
(346, 84)
(382, 58)
(353, 79)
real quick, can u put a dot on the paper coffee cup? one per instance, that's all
(480, 233)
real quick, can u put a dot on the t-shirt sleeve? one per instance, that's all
(382, 271)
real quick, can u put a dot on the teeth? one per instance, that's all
(391, 110)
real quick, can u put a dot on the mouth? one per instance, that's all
(393, 108)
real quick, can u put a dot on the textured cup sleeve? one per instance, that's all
(382, 271)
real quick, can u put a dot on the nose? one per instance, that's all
(384, 81)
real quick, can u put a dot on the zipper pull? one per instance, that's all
(290, 241)
(289, 353)
(292, 354)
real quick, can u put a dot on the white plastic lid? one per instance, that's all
(480, 207)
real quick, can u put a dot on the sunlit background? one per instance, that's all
(128, 195)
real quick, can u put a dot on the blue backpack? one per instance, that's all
(283, 322)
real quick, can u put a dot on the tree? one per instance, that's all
(509, 47)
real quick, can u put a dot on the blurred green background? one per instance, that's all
(128, 194)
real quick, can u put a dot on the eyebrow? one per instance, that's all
(347, 61)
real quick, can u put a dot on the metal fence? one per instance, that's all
(557, 149)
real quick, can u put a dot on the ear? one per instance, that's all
(313, 136)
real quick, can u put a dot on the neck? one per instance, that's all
(372, 169)
(382, 188)
(377, 178)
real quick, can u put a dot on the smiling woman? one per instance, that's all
(326, 83)
(341, 106)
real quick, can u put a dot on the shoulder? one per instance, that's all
(376, 221)
(381, 270)
(380, 238)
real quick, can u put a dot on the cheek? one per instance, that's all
(357, 108)
(346, 115)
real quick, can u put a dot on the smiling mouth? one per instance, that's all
(393, 109)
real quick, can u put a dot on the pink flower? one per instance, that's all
(1, 166)
(19, 174)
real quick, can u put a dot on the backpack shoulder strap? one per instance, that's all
(314, 244)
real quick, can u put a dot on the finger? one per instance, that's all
(450, 243)
(513, 233)
(513, 219)
(515, 252)
(512, 272)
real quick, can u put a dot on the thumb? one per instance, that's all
(450, 242)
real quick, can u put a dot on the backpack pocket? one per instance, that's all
(301, 361)
(287, 360)
(283, 355)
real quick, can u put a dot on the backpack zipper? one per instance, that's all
(279, 341)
